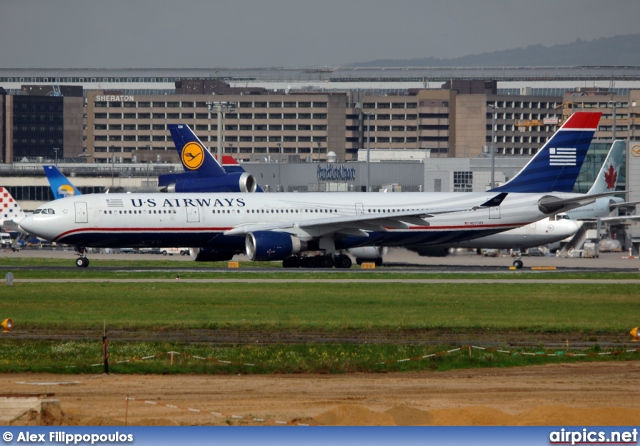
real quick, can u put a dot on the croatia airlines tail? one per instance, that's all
(10, 211)
(60, 186)
(202, 172)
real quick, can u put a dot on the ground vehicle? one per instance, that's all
(535, 252)
(172, 251)
(5, 239)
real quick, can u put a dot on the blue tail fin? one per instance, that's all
(556, 166)
(60, 185)
(194, 155)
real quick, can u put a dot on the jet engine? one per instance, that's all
(231, 182)
(368, 253)
(266, 245)
(210, 255)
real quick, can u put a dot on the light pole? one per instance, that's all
(368, 152)
(493, 144)
(55, 149)
(220, 108)
(279, 162)
(613, 130)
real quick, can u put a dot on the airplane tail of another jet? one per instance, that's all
(194, 155)
(608, 175)
(60, 186)
(556, 166)
(10, 210)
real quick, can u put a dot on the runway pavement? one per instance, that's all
(396, 259)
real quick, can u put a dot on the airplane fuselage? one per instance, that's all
(201, 219)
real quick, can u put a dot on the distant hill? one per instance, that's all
(607, 51)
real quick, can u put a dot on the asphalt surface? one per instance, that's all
(396, 260)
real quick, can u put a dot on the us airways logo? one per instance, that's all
(192, 155)
(188, 202)
(562, 156)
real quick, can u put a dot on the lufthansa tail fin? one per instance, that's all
(60, 186)
(194, 155)
(557, 164)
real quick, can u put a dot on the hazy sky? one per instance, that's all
(289, 33)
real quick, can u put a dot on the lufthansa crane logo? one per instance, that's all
(635, 150)
(192, 155)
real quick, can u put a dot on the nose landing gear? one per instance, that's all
(82, 261)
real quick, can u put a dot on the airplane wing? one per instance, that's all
(358, 224)
(625, 203)
(553, 205)
(618, 219)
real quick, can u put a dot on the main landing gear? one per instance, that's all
(82, 261)
(319, 261)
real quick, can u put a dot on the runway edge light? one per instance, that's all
(7, 325)
(634, 334)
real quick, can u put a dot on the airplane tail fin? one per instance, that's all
(60, 186)
(194, 155)
(556, 166)
(608, 175)
(10, 210)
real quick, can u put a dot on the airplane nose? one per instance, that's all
(571, 227)
(26, 224)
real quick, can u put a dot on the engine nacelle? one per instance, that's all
(231, 182)
(368, 252)
(266, 245)
(210, 255)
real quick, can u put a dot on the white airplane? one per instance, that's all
(605, 182)
(548, 230)
(289, 226)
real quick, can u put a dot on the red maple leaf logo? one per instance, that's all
(610, 177)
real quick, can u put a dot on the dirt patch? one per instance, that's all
(574, 394)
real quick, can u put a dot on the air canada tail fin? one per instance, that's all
(556, 166)
(60, 186)
(608, 175)
(194, 155)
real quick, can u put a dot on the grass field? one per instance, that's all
(370, 311)
(590, 308)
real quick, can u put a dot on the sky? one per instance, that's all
(290, 33)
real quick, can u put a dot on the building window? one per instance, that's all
(463, 181)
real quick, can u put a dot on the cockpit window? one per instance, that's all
(47, 211)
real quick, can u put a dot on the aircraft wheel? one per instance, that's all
(82, 262)
(378, 261)
(291, 262)
(518, 263)
(343, 261)
(312, 262)
(326, 262)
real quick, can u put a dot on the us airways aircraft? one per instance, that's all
(286, 226)
(557, 227)
(202, 172)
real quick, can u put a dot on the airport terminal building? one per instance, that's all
(427, 131)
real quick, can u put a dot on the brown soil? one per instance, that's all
(569, 394)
